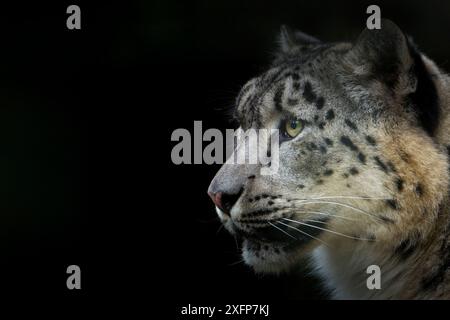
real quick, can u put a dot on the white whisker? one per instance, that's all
(348, 197)
(327, 230)
(325, 214)
(220, 228)
(282, 230)
(305, 233)
(315, 221)
(339, 204)
(236, 263)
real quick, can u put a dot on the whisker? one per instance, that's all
(219, 229)
(236, 263)
(282, 230)
(348, 197)
(315, 221)
(283, 210)
(236, 242)
(331, 231)
(325, 214)
(340, 204)
(305, 233)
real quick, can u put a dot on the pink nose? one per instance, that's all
(224, 201)
(217, 199)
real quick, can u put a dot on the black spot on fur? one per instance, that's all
(312, 146)
(265, 196)
(321, 125)
(257, 198)
(351, 125)
(399, 184)
(320, 102)
(347, 142)
(391, 167)
(292, 102)
(323, 149)
(371, 140)
(392, 203)
(362, 157)
(348, 185)
(295, 76)
(329, 115)
(270, 203)
(419, 190)
(277, 98)
(353, 171)
(251, 177)
(328, 172)
(404, 156)
(308, 93)
(301, 186)
(296, 86)
(380, 164)
(320, 181)
(406, 248)
(386, 220)
(328, 142)
(316, 118)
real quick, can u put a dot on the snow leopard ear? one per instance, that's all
(291, 39)
(389, 56)
(383, 54)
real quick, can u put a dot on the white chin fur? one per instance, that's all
(221, 215)
(267, 261)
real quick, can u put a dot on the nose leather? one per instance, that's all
(217, 199)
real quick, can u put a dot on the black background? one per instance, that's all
(86, 118)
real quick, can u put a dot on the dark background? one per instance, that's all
(202, 52)
(86, 118)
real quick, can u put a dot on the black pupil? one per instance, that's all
(293, 124)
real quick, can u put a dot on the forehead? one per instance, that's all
(294, 85)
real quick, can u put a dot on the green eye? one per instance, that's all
(292, 127)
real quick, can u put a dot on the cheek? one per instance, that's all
(306, 161)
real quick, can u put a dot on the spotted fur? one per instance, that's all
(376, 126)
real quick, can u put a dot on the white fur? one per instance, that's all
(344, 272)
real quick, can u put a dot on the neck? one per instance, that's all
(408, 270)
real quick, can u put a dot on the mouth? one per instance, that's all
(273, 245)
(277, 247)
(285, 233)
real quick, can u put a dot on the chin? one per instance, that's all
(271, 250)
(272, 258)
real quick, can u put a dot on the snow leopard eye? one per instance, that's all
(291, 128)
